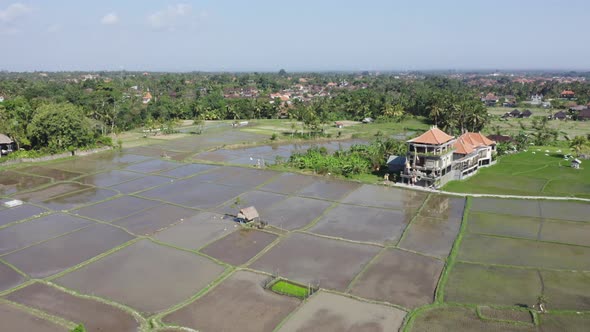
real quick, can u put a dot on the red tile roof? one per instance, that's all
(434, 136)
(462, 147)
(468, 142)
(567, 92)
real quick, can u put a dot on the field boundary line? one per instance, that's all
(450, 262)
(91, 260)
(41, 314)
(339, 239)
(475, 195)
(37, 216)
(46, 240)
(157, 318)
(406, 229)
(136, 315)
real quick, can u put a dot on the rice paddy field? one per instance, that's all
(145, 240)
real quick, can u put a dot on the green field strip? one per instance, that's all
(530, 240)
(439, 293)
(481, 316)
(522, 267)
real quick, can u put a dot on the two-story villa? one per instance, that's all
(435, 158)
(429, 159)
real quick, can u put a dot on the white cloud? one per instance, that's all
(168, 18)
(14, 12)
(11, 16)
(110, 19)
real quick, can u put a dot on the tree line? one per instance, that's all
(113, 102)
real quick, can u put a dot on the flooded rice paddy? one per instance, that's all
(131, 241)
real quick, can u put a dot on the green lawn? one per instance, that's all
(288, 288)
(531, 173)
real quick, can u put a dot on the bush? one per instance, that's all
(274, 137)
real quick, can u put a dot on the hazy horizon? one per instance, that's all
(307, 36)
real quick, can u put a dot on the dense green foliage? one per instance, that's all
(79, 328)
(60, 126)
(114, 101)
(359, 159)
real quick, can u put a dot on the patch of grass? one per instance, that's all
(288, 288)
(492, 285)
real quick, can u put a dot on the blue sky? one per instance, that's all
(301, 35)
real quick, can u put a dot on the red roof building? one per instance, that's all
(434, 136)
(567, 94)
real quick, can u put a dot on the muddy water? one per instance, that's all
(17, 213)
(363, 224)
(12, 182)
(95, 315)
(240, 246)
(56, 255)
(239, 293)
(14, 319)
(334, 263)
(125, 276)
(24, 234)
(294, 212)
(9, 278)
(412, 285)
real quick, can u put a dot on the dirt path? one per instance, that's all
(555, 198)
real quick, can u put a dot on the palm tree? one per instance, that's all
(435, 112)
(578, 143)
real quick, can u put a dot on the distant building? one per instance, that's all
(567, 94)
(583, 115)
(515, 113)
(6, 145)
(526, 114)
(1, 99)
(147, 97)
(509, 101)
(500, 138)
(490, 99)
(536, 99)
(561, 115)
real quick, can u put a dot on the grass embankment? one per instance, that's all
(287, 288)
(534, 172)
